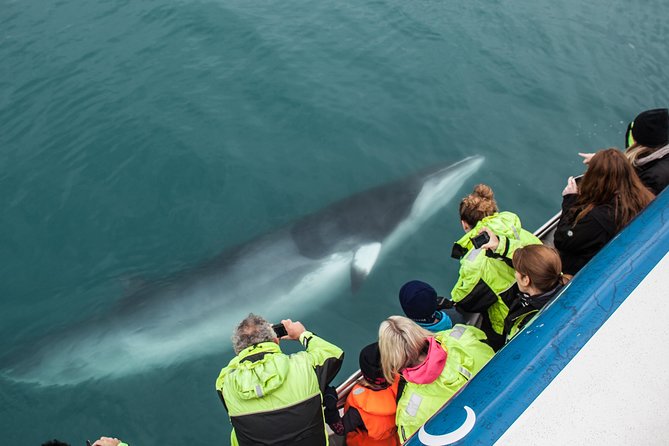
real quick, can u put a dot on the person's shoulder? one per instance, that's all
(507, 214)
(507, 217)
(569, 200)
(605, 216)
(655, 174)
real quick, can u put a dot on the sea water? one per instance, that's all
(139, 138)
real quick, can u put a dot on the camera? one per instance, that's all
(444, 303)
(280, 330)
(480, 240)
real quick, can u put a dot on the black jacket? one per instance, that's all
(523, 304)
(655, 174)
(577, 244)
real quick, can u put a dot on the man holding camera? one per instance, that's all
(274, 398)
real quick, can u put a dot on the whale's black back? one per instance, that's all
(369, 215)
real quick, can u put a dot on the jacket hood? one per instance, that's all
(430, 369)
(501, 223)
(655, 155)
(258, 370)
(444, 322)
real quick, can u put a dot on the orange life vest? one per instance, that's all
(377, 410)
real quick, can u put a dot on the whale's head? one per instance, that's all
(370, 223)
(439, 186)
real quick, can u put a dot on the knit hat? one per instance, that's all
(370, 364)
(650, 128)
(419, 301)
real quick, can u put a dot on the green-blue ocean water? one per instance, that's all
(140, 138)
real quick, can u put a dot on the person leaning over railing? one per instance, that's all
(486, 274)
(274, 398)
(538, 280)
(433, 365)
(647, 148)
(608, 197)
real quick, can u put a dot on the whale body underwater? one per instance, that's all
(193, 312)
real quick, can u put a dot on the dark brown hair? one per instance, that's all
(478, 205)
(541, 264)
(611, 179)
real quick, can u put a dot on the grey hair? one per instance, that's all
(252, 330)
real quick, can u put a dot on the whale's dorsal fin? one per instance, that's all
(364, 259)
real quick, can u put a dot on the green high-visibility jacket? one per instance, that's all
(523, 308)
(274, 398)
(466, 355)
(520, 322)
(484, 275)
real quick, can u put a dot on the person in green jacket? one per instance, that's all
(273, 398)
(486, 275)
(433, 366)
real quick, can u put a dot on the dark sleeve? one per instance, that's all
(220, 395)
(479, 299)
(510, 296)
(655, 175)
(353, 420)
(568, 201)
(566, 220)
(578, 243)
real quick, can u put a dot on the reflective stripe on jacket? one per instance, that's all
(486, 276)
(466, 355)
(273, 398)
(377, 409)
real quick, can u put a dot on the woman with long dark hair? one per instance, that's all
(608, 198)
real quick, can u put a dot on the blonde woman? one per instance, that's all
(434, 365)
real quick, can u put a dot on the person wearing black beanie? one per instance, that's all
(369, 412)
(647, 142)
(647, 148)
